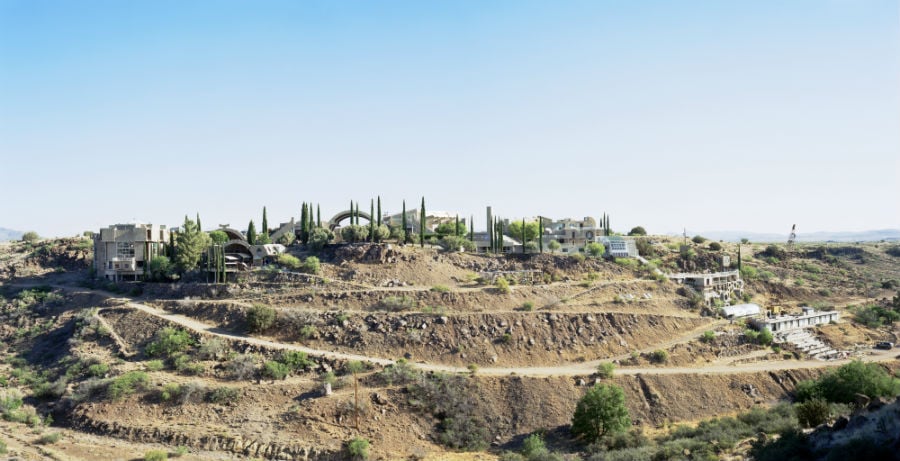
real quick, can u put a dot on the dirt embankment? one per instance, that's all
(287, 420)
(519, 338)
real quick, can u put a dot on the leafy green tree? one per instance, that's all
(263, 239)
(452, 229)
(531, 232)
(354, 233)
(698, 239)
(382, 232)
(251, 233)
(190, 245)
(601, 411)
(595, 249)
(320, 237)
(715, 246)
(858, 377)
(260, 318)
(454, 243)
(637, 231)
(812, 412)
(218, 237)
(30, 237)
(287, 238)
(554, 246)
(160, 269)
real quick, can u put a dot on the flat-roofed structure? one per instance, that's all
(809, 318)
(723, 286)
(122, 251)
(741, 310)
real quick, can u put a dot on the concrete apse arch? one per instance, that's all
(338, 218)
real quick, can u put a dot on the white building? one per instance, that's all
(122, 251)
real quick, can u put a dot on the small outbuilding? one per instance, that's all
(741, 310)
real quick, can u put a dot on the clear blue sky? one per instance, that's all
(710, 115)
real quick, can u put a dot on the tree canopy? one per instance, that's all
(601, 411)
(637, 231)
(532, 230)
(190, 244)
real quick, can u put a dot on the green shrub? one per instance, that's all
(528, 306)
(154, 365)
(358, 448)
(50, 438)
(311, 265)
(812, 412)
(715, 246)
(275, 370)
(156, 455)
(659, 356)
(183, 450)
(440, 288)
(749, 273)
(319, 237)
(3, 448)
(594, 249)
(289, 261)
(577, 257)
(399, 373)
(606, 370)
(698, 239)
(533, 445)
(127, 384)
(295, 360)
(708, 336)
(602, 410)
(212, 348)
(30, 237)
(260, 318)
(397, 303)
(502, 285)
(223, 395)
(308, 332)
(168, 342)
(98, 370)
(454, 243)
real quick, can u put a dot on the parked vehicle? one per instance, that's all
(884, 345)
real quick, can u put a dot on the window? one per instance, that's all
(125, 250)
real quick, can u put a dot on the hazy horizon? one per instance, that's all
(710, 115)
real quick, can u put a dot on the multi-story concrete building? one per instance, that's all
(122, 251)
(723, 286)
(572, 234)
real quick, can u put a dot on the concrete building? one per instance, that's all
(741, 310)
(809, 318)
(433, 219)
(723, 286)
(572, 234)
(620, 247)
(482, 242)
(122, 251)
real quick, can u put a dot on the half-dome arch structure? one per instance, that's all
(338, 218)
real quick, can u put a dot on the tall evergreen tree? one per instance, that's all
(318, 215)
(540, 234)
(198, 223)
(304, 222)
(404, 224)
(265, 223)
(456, 226)
(422, 224)
(472, 228)
(500, 236)
(371, 220)
(191, 244)
(379, 212)
(251, 233)
(523, 235)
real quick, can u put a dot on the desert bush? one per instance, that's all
(659, 356)
(874, 316)
(451, 399)
(311, 265)
(308, 332)
(223, 395)
(212, 349)
(715, 246)
(260, 318)
(528, 306)
(3, 448)
(440, 288)
(10, 401)
(275, 370)
(606, 370)
(50, 438)
(577, 257)
(749, 273)
(242, 366)
(453, 243)
(184, 393)
(812, 412)
(289, 261)
(30, 237)
(698, 239)
(154, 365)
(399, 373)
(295, 360)
(358, 448)
(502, 285)
(168, 342)
(708, 336)
(627, 262)
(98, 370)
(127, 384)
(319, 237)
(156, 455)
(397, 303)
(354, 233)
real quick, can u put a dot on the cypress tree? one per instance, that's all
(500, 236)
(265, 223)
(608, 231)
(456, 226)
(199, 227)
(379, 212)
(404, 224)
(371, 221)
(251, 233)
(303, 220)
(472, 228)
(318, 215)
(523, 235)
(422, 224)
(540, 234)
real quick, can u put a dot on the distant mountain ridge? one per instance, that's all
(9, 234)
(821, 236)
